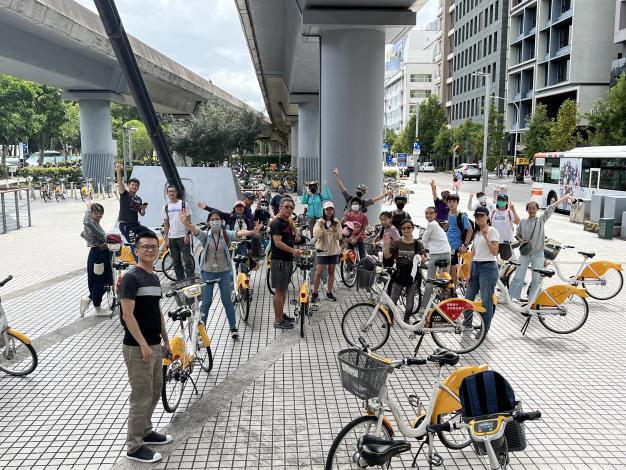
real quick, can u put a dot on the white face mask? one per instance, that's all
(355, 207)
(215, 225)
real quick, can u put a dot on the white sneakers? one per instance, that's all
(84, 304)
(102, 312)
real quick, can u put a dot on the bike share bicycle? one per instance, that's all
(242, 293)
(304, 310)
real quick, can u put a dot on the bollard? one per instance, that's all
(28, 208)
(4, 214)
(17, 210)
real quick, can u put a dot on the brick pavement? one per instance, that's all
(278, 401)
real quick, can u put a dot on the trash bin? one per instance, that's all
(605, 228)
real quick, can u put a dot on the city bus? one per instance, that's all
(580, 172)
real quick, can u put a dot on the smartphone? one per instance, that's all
(144, 204)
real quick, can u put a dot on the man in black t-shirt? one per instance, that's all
(131, 207)
(283, 251)
(144, 329)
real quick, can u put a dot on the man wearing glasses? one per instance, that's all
(144, 330)
(283, 251)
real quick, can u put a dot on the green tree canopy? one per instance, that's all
(469, 136)
(564, 134)
(537, 138)
(390, 137)
(442, 150)
(49, 116)
(404, 142)
(607, 120)
(16, 110)
(69, 132)
(432, 116)
(141, 143)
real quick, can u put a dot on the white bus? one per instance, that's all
(580, 172)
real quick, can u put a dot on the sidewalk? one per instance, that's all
(274, 400)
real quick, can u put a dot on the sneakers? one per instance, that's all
(330, 296)
(101, 312)
(284, 325)
(234, 333)
(144, 454)
(289, 319)
(84, 304)
(157, 439)
(314, 297)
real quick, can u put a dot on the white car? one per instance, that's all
(427, 167)
(469, 171)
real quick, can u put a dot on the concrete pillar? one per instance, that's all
(97, 151)
(293, 145)
(351, 108)
(308, 141)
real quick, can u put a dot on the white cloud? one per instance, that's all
(203, 35)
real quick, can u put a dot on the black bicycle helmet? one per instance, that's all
(400, 198)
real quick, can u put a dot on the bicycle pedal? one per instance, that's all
(436, 460)
(314, 308)
(414, 401)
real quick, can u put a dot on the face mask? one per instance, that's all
(313, 190)
(359, 194)
(400, 206)
(482, 200)
(264, 207)
(501, 204)
(215, 225)
(355, 207)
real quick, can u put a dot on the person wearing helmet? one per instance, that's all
(314, 201)
(399, 215)
(360, 193)
(275, 202)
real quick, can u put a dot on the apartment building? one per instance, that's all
(558, 49)
(409, 73)
(618, 66)
(478, 33)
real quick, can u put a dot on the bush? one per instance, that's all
(4, 172)
(391, 173)
(72, 174)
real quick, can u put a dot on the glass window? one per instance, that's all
(552, 171)
(420, 93)
(497, 8)
(613, 174)
(421, 78)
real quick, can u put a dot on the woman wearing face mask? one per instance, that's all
(531, 234)
(360, 221)
(216, 263)
(399, 215)
(503, 219)
(327, 233)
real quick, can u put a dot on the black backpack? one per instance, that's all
(462, 229)
(167, 210)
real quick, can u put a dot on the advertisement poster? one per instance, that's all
(570, 178)
(402, 160)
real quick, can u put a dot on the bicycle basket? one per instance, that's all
(180, 297)
(361, 374)
(551, 249)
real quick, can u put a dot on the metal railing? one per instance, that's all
(14, 209)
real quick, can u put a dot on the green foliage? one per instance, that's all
(442, 149)
(216, 132)
(390, 137)
(537, 138)
(73, 174)
(121, 113)
(390, 173)
(432, 116)
(404, 142)
(496, 131)
(69, 131)
(4, 172)
(49, 116)
(607, 120)
(564, 133)
(16, 110)
(469, 135)
(141, 143)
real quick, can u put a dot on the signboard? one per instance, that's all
(521, 161)
(385, 147)
(416, 148)
(402, 160)
(389, 159)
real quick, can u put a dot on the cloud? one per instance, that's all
(204, 36)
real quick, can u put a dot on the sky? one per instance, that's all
(203, 35)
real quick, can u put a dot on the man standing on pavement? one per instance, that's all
(176, 236)
(275, 202)
(144, 330)
(360, 192)
(459, 233)
(131, 207)
(283, 251)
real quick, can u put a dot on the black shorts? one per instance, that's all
(326, 260)
(454, 259)
(281, 274)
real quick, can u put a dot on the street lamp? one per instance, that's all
(130, 143)
(487, 78)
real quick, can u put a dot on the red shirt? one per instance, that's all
(360, 222)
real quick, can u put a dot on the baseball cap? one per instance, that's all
(239, 203)
(328, 204)
(248, 195)
(480, 210)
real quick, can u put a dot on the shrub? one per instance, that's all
(72, 174)
(391, 173)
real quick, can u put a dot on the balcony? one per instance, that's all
(449, 79)
(529, 94)
(452, 7)
(451, 31)
(563, 51)
(562, 17)
(436, 80)
(517, 97)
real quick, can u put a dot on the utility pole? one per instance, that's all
(484, 172)
(124, 151)
(416, 152)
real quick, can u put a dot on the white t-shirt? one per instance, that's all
(177, 229)
(481, 249)
(502, 221)
(435, 239)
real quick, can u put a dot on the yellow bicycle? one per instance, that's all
(242, 294)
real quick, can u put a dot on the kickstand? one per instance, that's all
(193, 383)
(419, 343)
(419, 451)
(434, 459)
(525, 326)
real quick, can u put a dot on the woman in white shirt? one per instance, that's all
(435, 241)
(504, 219)
(484, 276)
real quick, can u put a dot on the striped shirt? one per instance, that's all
(145, 289)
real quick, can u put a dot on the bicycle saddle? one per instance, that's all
(120, 265)
(544, 272)
(442, 263)
(444, 357)
(438, 282)
(240, 259)
(377, 451)
(179, 315)
(587, 254)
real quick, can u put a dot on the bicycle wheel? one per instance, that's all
(571, 318)
(613, 283)
(205, 357)
(268, 280)
(461, 339)
(348, 273)
(168, 267)
(244, 300)
(457, 439)
(304, 312)
(343, 452)
(83, 195)
(352, 326)
(173, 387)
(110, 297)
(16, 357)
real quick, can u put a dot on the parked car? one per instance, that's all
(428, 167)
(469, 171)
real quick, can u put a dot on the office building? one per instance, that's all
(618, 66)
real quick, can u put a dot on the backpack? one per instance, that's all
(167, 210)
(462, 229)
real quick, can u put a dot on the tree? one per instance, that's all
(142, 145)
(48, 118)
(469, 136)
(121, 113)
(390, 137)
(496, 132)
(564, 133)
(432, 116)
(404, 142)
(215, 132)
(442, 149)
(16, 111)
(69, 132)
(607, 120)
(537, 138)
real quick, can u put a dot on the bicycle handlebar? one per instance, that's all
(521, 416)
(7, 279)
(408, 361)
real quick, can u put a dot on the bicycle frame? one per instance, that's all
(536, 306)
(241, 279)
(592, 273)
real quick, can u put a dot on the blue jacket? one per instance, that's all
(314, 202)
(231, 235)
